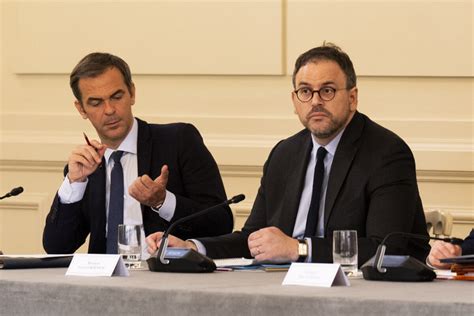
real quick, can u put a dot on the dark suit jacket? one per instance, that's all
(372, 188)
(468, 244)
(193, 177)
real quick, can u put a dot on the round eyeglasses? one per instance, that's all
(306, 94)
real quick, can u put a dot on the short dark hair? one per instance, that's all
(328, 51)
(95, 64)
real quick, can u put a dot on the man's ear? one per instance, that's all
(132, 94)
(294, 100)
(353, 98)
(80, 109)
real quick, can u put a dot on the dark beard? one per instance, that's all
(334, 127)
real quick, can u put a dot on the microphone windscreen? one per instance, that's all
(237, 198)
(16, 191)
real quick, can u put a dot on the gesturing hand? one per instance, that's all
(150, 192)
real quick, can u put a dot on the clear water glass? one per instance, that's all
(129, 245)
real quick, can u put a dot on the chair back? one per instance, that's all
(439, 222)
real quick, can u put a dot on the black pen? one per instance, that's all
(89, 143)
(87, 139)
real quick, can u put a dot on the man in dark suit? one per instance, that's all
(441, 250)
(167, 171)
(367, 180)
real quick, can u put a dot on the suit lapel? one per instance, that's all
(96, 195)
(144, 151)
(144, 148)
(343, 158)
(294, 186)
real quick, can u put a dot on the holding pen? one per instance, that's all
(87, 139)
(84, 160)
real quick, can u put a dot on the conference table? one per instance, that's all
(50, 292)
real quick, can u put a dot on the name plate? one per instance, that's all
(315, 274)
(97, 265)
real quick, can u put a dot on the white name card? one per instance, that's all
(315, 274)
(97, 265)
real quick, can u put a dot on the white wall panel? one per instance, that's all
(388, 38)
(159, 37)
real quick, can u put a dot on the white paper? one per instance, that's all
(97, 265)
(234, 262)
(315, 274)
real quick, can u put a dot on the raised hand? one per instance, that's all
(150, 192)
(84, 160)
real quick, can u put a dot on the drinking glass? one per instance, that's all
(129, 245)
(344, 250)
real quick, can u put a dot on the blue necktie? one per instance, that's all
(313, 213)
(115, 203)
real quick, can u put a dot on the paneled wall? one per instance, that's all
(226, 67)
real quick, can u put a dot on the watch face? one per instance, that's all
(302, 248)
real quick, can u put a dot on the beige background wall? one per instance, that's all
(226, 67)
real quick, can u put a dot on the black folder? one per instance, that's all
(30, 262)
(466, 259)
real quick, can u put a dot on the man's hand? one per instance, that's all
(150, 192)
(271, 244)
(84, 160)
(440, 250)
(154, 241)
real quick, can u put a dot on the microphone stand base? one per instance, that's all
(399, 268)
(182, 260)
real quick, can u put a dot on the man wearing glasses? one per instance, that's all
(343, 171)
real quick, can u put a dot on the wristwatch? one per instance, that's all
(302, 250)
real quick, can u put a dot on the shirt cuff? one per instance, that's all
(166, 211)
(310, 249)
(200, 247)
(71, 192)
(428, 263)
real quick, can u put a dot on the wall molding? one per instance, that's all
(26, 202)
(239, 171)
(19, 206)
(445, 176)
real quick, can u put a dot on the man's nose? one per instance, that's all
(108, 107)
(316, 99)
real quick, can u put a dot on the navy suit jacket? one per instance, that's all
(468, 244)
(193, 177)
(372, 188)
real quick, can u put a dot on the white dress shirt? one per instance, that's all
(73, 192)
(305, 201)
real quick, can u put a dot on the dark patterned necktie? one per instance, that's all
(313, 213)
(115, 203)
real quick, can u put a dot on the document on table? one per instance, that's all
(460, 259)
(249, 264)
(29, 261)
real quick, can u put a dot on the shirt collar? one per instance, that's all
(128, 145)
(331, 147)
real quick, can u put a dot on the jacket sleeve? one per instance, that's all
(203, 188)
(66, 228)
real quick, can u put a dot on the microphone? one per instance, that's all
(183, 259)
(13, 192)
(400, 268)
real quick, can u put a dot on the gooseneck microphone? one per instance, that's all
(400, 268)
(181, 259)
(13, 192)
